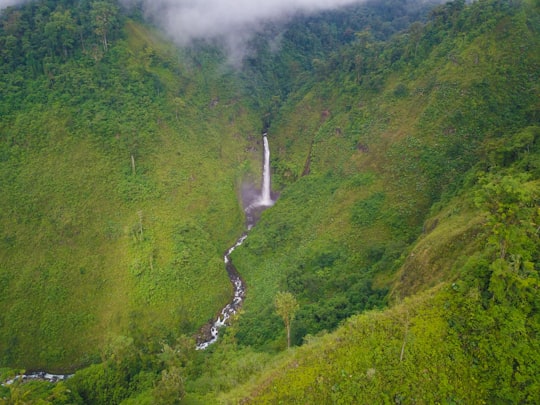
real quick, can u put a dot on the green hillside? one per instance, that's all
(115, 170)
(406, 154)
(367, 158)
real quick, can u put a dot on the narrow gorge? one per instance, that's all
(209, 333)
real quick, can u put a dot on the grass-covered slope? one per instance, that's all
(469, 339)
(120, 173)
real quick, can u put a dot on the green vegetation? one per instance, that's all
(382, 162)
(112, 186)
(407, 158)
(286, 307)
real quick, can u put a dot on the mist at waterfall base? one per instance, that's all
(255, 202)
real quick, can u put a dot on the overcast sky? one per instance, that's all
(7, 3)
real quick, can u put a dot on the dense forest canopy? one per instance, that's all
(405, 143)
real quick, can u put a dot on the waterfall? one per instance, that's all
(266, 199)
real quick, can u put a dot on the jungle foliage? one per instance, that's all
(406, 153)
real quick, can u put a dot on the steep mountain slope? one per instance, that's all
(442, 162)
(366, 153)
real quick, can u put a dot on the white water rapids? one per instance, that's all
(39, 375)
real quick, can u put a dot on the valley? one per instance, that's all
(405, 151)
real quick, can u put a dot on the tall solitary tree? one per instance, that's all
(286, 307)
(104, 16)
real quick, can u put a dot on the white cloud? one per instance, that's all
(189, 19)
(231, 21)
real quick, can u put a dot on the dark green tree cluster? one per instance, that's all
(38, 35)
(311, 47)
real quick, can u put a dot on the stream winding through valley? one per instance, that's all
(210, 332)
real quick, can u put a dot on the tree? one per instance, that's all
(60, 32)
(179, 104)
(104, 15)
(170, 389)
(286, 307)
(511, 204)
(415, 34)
